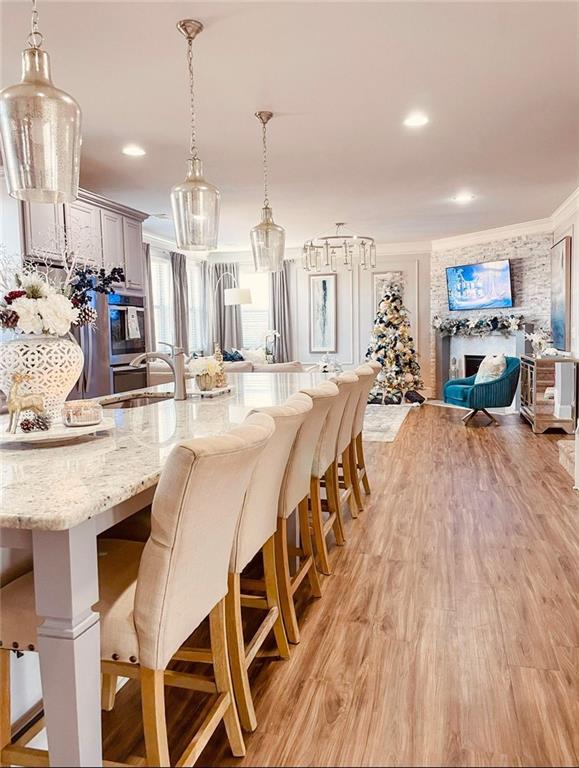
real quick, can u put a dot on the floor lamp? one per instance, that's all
(231, 297)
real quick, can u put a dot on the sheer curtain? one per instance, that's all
(150, 311)
(180, 299)
(223, 324)
(279, 302)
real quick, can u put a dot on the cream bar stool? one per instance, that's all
(348, 490)
(154, 595)
(255, 533)
(324, 472)
(367, 374)
(295, 494)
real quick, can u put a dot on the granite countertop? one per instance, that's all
(56, 488)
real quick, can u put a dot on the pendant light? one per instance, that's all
(39, 130)
(195, 201)
(267, 237)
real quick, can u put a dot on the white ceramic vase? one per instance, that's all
(52, 365)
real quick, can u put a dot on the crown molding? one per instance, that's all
(538, 226)
(567, 209)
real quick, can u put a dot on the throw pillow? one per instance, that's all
(491, 369)
(254, 355)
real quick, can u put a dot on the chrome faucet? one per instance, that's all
(176, 363)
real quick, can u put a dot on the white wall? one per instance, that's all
(356, 306)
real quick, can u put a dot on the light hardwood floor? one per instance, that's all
(449, 631)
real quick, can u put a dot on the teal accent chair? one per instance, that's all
(478, 397)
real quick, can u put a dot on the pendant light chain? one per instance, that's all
(35, 38)
(193, 142)
(265, 168)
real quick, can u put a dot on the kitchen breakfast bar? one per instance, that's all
(55, 501)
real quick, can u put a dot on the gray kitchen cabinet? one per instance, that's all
(43, 231)
(133, 247)
(83, 228)
(112, 238)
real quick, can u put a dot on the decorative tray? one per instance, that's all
(209, 393)
(57, 434)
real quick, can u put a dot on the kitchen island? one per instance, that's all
(55, 502)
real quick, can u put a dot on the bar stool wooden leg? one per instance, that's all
(5, 711)
(108, 692)
(333, 492)
(353, 468)
(318, 525)
(154, 722)
(361, 462)
(284, 583)
(236, 646)
(217, 626)
(348, 483)
(272, 595)
(307, 546)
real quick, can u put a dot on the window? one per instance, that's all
(162, 286)
(195, 302)
(255, 316)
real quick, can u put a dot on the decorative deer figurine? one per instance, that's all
(17, 403)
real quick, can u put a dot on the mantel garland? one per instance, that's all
(479, 326)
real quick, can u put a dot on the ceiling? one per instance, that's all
(498, 80)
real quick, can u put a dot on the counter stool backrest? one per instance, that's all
(367, 377)
(258, 520)
(297, 482)
(184, 566)
(347, 382)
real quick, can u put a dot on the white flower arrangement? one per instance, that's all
(203, 365)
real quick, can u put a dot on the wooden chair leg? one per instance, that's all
(333, 492)
(272, 596)
(352, 505)
(307, 547)
(318, 526)
(154, 722)
(361, 463)
(217, 626)
(354, 479)
(5, 710)
(236, 648)
(284, 585)
(108, 692)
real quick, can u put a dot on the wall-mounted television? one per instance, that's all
(480, 286)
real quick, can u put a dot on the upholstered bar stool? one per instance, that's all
(255, 533)
(324, 472)
(367, 376)
(348, 490)
(295, 495)
(154, 595)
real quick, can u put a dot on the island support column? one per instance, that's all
(66, 588)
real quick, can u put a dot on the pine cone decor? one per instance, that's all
(87, 315)
(41, 422)
(27, 425)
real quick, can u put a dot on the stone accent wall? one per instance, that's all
(530, 259)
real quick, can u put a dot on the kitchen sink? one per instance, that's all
(137, 402)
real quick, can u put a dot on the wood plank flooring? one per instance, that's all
(449, 632)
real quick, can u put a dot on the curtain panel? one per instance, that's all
(280, 312)
(152, 339)
(223, 324)
(180, 299)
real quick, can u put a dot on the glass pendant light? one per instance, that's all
(195, 201)
(267, 238)
(39, 131)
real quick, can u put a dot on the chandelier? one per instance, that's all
(267, 237)
(328, 252)
(195, 202)
(39, 130)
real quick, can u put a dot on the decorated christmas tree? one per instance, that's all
(393, 347)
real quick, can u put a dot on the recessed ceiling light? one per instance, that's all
(462, 198)
(416, 120)
(133, 150)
